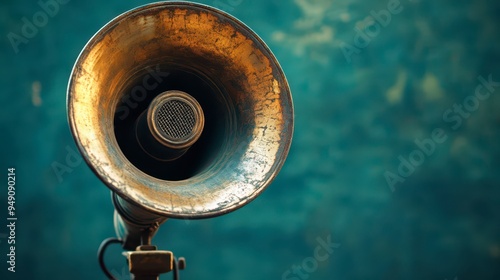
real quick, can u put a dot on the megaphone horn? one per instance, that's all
(210, 121)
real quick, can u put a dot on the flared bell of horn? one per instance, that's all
(232, 99)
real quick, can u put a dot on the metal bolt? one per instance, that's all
(181, 263)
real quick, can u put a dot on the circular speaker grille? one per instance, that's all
(175, 120)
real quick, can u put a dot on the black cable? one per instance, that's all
(176, 269)
(100, 255)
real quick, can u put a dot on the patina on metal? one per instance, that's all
(249, 112)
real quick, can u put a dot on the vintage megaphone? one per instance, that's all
(182, 111)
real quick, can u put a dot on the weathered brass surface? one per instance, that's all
(258, 122)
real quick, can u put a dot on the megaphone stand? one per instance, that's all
(145, 261)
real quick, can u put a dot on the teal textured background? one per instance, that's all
(357, 118)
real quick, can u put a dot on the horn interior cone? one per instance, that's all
(214, 58)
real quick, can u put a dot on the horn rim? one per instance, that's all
(127, 193)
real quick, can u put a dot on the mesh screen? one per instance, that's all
(175, 120)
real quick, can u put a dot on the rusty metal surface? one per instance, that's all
(219, 46)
